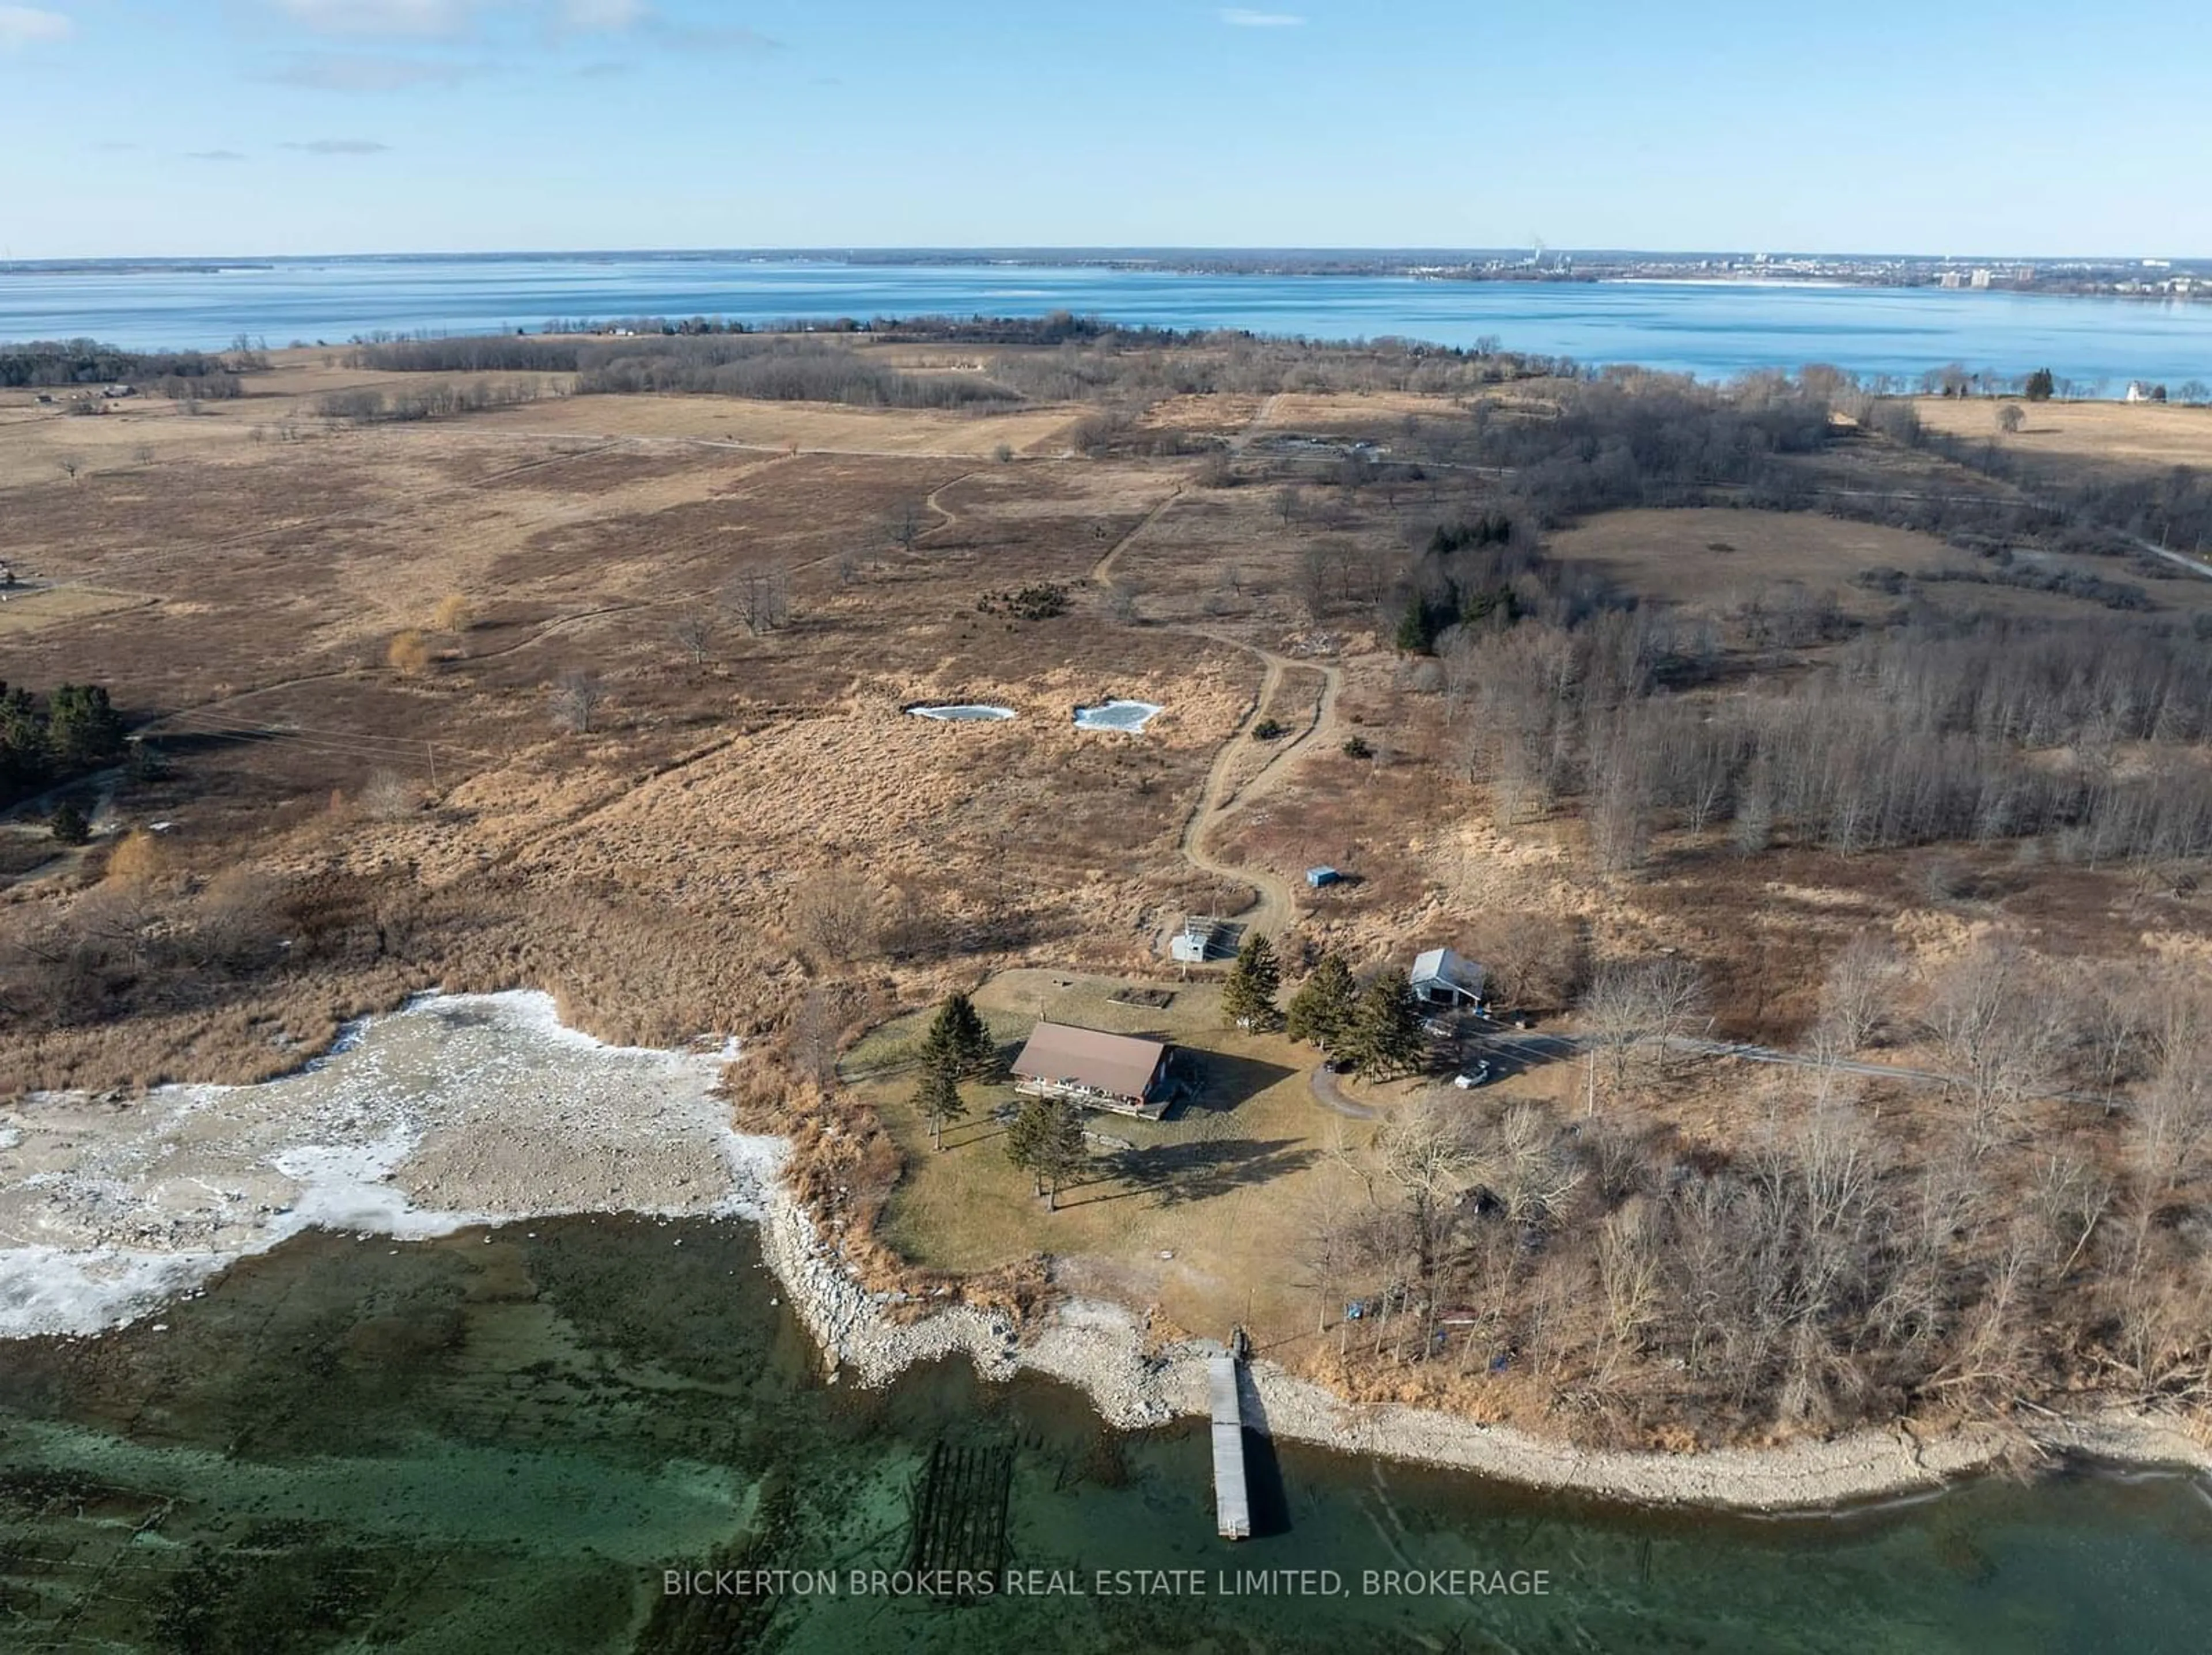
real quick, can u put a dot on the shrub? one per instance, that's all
(453, 614)
(1268, 729)
(137, 859)
(1040, 601)
(1358, 748)
(67, 825)
(409, 653)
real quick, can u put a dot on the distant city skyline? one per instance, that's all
(267, 128)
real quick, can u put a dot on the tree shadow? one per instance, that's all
(1217, 1082)
(1175, 1174)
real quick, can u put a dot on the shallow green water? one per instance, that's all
(502, 1444)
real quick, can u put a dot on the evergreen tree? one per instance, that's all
(1058, 1152)
(960, 1039)
(1417, 629)
(83, 729)
(1322, 1009)
(1384, 1035)
(2040, 386)
(1024, 1133)
(1248, 998)
(67, 825)
(23, 762)
(938, 1099)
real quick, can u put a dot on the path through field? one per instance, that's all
(1274, 910)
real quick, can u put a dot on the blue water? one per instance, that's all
(500, 1440)
(1714, 330)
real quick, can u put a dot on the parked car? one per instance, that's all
(1473, 1075)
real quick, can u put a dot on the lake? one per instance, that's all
(1711, 329)
(503, 1439)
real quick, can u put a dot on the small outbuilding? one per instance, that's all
(1193, 944)
(1121, 1072)
(1319, 876)
(1441, 977)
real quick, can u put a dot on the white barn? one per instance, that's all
(1441, 977)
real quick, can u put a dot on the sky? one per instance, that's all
(142, 128)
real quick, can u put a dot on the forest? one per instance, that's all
(75, 730)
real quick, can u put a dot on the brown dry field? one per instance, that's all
(657, 873)
(2105, 433)
(1712, 559)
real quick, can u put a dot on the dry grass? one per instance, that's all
(807, 427)
(1713, 560)
(2139, 434)
(1222, 1186)
(28, 611)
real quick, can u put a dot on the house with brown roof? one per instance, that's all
(1122, 1072)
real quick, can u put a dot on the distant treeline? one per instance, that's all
(778, 368)
(87, 361)
(1062, 357)
(72, 731)
(1924, 728)
(370, 406)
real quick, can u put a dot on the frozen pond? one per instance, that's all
(964, 713)
(1116, 715)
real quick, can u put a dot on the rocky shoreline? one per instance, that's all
(435, 1119)
(1100, 1348)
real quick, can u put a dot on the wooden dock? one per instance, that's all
(1232, 1504)
(958, 1513)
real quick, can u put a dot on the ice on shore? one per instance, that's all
(453, 1111)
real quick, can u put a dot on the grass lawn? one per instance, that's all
(1222, 1185)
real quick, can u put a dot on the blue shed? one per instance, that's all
(1318, 876)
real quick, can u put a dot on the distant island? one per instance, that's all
(2109, 276)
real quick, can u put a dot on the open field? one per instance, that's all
(2094, 433)
(27, 612)
(1716, 560)
(606, 695)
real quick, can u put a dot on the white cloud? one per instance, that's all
(1239, 17)
(603, 16)
(365, 71)
(439, 19)
(212, 154)
(27, 25)
(417, 17)
(340, 147)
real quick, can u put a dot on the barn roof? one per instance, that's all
(1119, 1065)
(1443, 965)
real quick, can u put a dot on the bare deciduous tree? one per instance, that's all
(1855, 998)
(693, 632)
(833, 919)
(907, 526)
(577, 696)
(1990, 1019)
(389, 796)
(760, 598)
(1315, 569)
